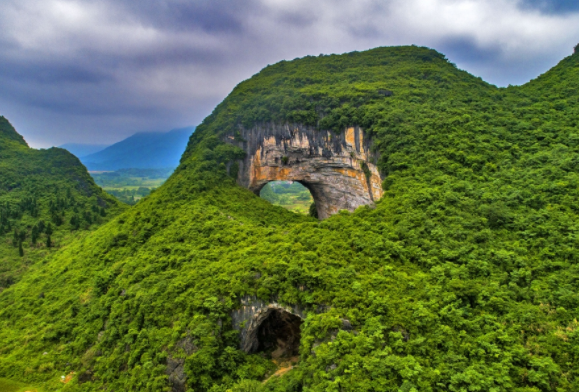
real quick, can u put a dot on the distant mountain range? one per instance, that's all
(145, 150)
(82, 150)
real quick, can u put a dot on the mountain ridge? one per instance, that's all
(143, 150)
(81, 150)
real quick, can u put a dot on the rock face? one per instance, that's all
(338, 169)
(175, 370)
(268, 327)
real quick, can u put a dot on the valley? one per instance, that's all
(131, 185)
(291, 195)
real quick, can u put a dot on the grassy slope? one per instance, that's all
(463, 277)
(13, 386)
(42, 175)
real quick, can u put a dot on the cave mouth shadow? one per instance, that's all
(279, 334)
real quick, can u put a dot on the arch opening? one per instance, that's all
(278, 336)
(339, 169)
(292, 195)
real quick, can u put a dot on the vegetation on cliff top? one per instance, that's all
(464, 277)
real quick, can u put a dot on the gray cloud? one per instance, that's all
(80, 70)
(214, 17)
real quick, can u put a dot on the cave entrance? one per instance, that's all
(291, 195)
(279, 335)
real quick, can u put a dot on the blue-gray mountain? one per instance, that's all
(82, 150)
(146, 150)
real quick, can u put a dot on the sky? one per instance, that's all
(98, 71)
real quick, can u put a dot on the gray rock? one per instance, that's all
(250, 316)
(385, 93)
(339, 169)
(176, 366)
(176, 372)
(404, 332)
(346, 325)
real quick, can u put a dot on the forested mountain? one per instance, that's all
(145, 150)
(46, 198)
(463, 278)
(81, 150)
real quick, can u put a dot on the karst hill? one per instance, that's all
(47, 198)
(452, 266)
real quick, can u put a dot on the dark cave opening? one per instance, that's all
(279, 334)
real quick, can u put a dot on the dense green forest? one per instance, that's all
(463, 278)
(47, 198)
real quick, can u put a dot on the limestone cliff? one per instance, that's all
(339, 169)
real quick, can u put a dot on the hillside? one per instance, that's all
(46, 198)
(151, 150)
(462, 278)
(81, 150)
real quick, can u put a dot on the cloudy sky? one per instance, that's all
(97, 71)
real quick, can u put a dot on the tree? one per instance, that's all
(34, 234)
(313, 210)
(20, 250)
(48, 242)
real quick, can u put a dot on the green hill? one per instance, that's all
(463, 278)
(46, 198)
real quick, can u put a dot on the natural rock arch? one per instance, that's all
(339, 169)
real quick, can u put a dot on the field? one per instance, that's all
(288, 194)
(131, 185)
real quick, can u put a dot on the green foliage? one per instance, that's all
(313, 211)
(463, 278)
(40, 192)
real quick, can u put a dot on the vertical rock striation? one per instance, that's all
(339, 169)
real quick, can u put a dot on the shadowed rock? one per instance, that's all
(268, 327)
(175, 370)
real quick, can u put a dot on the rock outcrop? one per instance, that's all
(260, 322)
(175, 370)
(339, 169)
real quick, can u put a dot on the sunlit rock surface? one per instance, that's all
(339, 169)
